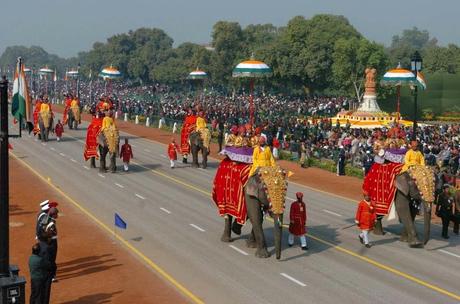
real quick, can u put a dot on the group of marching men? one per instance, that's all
(42, 262)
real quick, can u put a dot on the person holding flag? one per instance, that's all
(21, 106)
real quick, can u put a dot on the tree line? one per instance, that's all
(324, 54)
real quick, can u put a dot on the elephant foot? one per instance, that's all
(195, 165)
(204, 166)
(226, 239)
(92, 166)
(403, 238)
(415, 244)
(378, 228)
(251, 243)
(262, 253)
(102, 170)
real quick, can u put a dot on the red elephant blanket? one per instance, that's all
(91, 138)
(380, 184)
(228, 192)
(187, 128)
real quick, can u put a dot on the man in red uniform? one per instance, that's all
(59, 129)
(126, 153)
(297, 221)
(67, 103)
(365, 218)
(172, 152)
(187, 128)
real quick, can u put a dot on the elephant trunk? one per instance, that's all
(278, 219)
(427, 222)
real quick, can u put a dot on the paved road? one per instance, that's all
(172, 221)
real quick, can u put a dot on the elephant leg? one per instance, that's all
(194, 156)
(227, 235)
(251, 241)
(405, 215)
(102, 153)
(93, 162)
(113, 165)
(278, 229)
(255, 216)
(378, 228)
(205, 158)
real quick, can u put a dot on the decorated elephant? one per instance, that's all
(74, 117)
(45, 123)
(265, 191)
(200, 141)
(415, 189)
(108, 143)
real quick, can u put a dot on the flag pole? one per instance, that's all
(19, 87)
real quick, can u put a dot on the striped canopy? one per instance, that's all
(45, 71)
(72, 73)
(251, 68)
(110, 73)
(197, 74)
(27, 70)
(398, 76)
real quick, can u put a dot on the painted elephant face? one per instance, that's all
(256, 188)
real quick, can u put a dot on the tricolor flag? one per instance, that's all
(21, 106)
(421, 81)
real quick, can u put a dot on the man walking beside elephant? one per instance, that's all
(297, 221)
(365, 218)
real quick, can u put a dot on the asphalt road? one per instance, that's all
(172, 221)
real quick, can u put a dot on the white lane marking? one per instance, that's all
(450, 253)
(197, 228)
(133, 145)
(290, 198)
(147, 150)
(139, 196)
(52, 149)
(331, 212)
(239, 250)
(43, 144)
(86, 167)
(62, 154)
(101, 175)
(165, 210)
(164, 156)
(119, 185)
(73, 160)
(292, 279)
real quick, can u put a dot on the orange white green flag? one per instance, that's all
(21, 106)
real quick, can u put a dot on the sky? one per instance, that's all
(66, 27)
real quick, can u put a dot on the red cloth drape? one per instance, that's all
(91, 138)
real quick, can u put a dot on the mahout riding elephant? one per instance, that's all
(108, 142)
(199, 141)
(261, 197)
(408, 196)
(74, 117)
(45, 123)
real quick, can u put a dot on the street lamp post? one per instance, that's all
(416, 66)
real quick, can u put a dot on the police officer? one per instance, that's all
(444, 209)
(368, 161)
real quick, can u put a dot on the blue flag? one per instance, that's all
(119, 222)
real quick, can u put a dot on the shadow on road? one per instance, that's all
(98, 298)
(85, 266)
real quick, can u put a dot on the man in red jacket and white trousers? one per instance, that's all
(365, 218)
(297, 221)
(126, 153)
(172, 152)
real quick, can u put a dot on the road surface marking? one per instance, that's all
(331, 212)
(110, 231)
(239, 250)
(101, 175)
(290, 198)
(43, 144)
(73, 160)
(139, 196)
(52, 149)
(133, 145)
(86, 167)
(164, 156)
(292, 279)
(119, 186)
(197, 228)
(62, 154)
(147, 150)
(450, 253)
(165, 210)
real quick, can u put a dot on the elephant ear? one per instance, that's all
(402, 184)
(252, 186)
